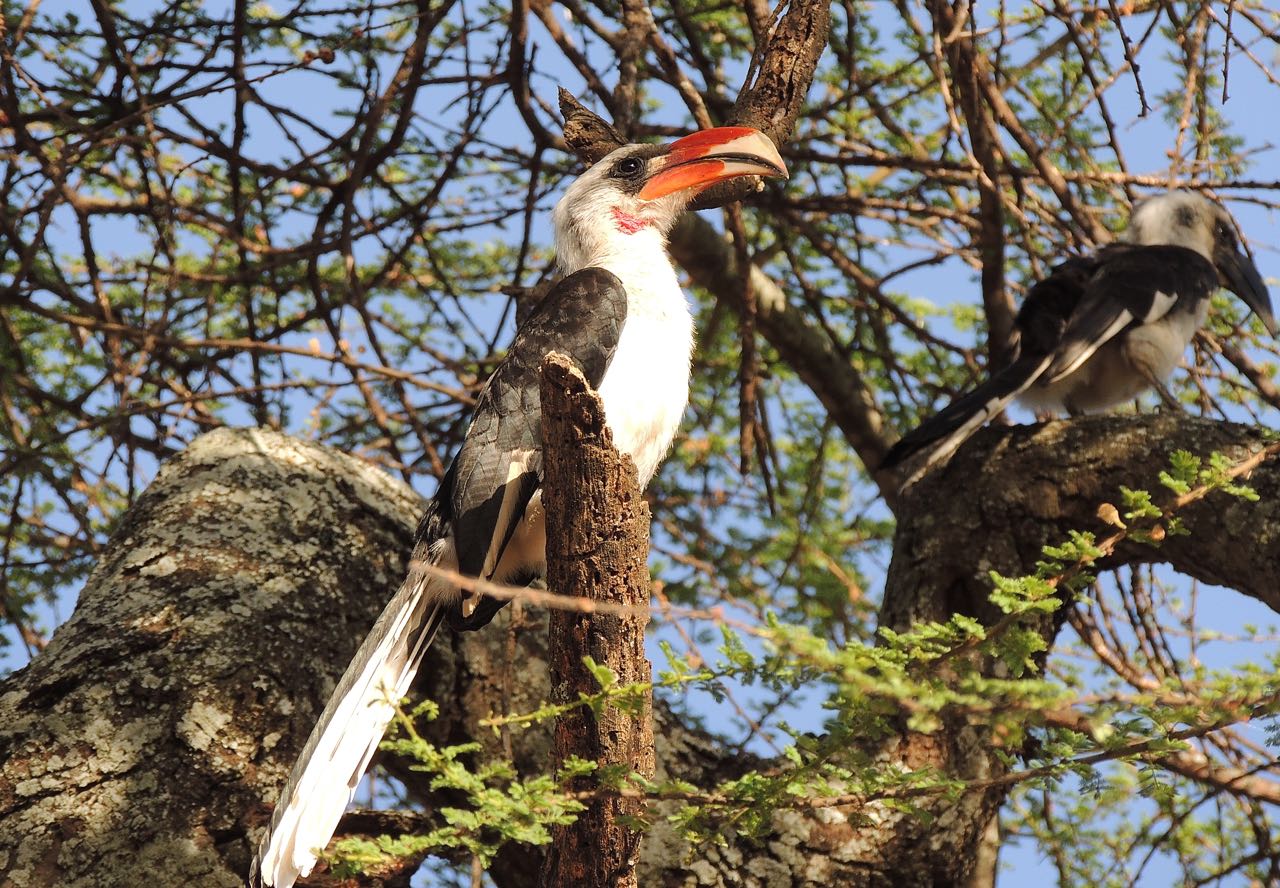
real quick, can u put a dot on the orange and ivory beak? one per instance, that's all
(704, 158)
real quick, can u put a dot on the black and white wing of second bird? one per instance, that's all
(620, 314)
(1100, 330)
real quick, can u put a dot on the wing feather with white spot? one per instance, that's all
(500, 464)
(1130, 286)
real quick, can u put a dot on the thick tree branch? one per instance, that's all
(1027, 487)
(147, 742)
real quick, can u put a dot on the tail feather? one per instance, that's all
(944, 432)
(347, 734)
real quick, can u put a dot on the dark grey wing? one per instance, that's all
(500, 465)
(1132, 286)
(1053, 300)
(1040, 324)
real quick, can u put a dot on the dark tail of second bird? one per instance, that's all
(940, 435)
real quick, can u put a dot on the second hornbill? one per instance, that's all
(1101, 329)
(620, 314)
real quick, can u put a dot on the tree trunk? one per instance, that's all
(144, 745)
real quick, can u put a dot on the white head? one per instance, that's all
(637, 192)
(1180, 219)
(1191, 220)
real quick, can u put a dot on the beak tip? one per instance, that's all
(1241, 276)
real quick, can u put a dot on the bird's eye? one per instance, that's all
(628, 167)
(1225, 234)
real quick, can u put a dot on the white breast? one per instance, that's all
(1158, 347)
(647, 387)
(644, 392)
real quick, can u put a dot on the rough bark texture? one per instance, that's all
(146, 743)
(597, 548)
(1027, 486)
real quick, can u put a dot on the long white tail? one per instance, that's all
(347, 734)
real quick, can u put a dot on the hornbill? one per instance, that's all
(620, 314)
(1101, 329)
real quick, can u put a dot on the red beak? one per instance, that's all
(704, 158)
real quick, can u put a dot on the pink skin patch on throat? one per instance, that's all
(627, 223)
